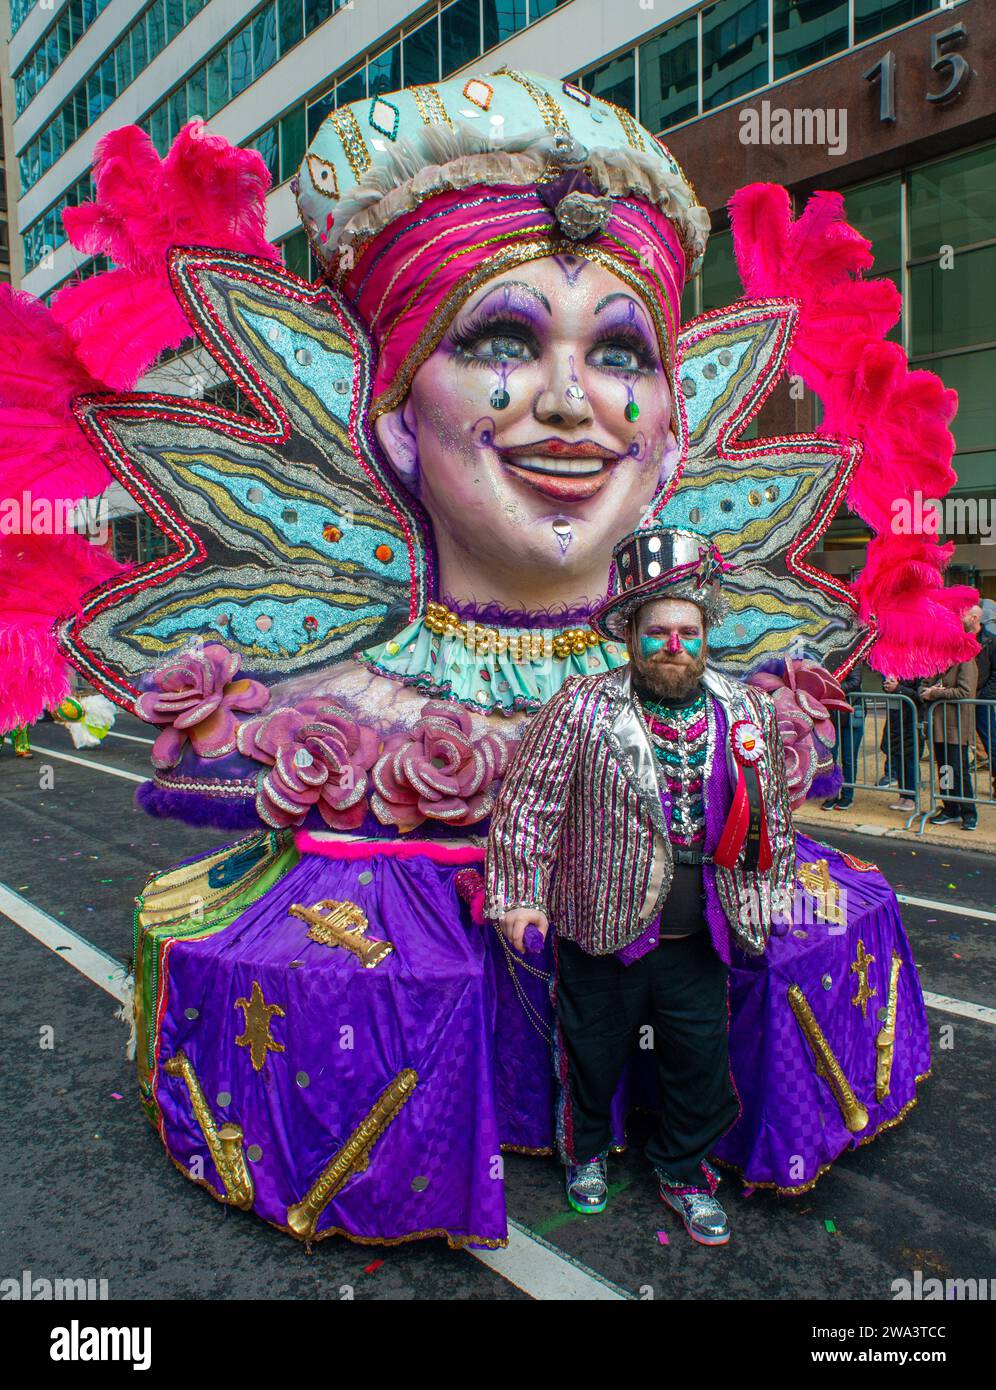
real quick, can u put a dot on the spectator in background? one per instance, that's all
(850, 731)
(905, 742)
(951, 731)
(985, 718)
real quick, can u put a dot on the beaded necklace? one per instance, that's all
(680, 736)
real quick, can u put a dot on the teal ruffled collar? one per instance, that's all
(492, 683)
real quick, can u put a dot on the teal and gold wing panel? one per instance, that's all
(285, 535)
(765, 501)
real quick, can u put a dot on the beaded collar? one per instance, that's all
(493, 678)
(680, 735)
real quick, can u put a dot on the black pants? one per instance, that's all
(958, 780)
(679, 989)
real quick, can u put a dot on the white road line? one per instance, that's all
(542, 1271)
(946, 1005)
(956, 908)
(529, 1262)
(85, 762)
(99, 968)
(132, 738)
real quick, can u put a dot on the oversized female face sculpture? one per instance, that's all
(539, 430)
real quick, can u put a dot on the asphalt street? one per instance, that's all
(89, 1192)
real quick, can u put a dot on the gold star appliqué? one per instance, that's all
(257, 1036)
(859, 967)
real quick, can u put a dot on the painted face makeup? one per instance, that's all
(519, 421)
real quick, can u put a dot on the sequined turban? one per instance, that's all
(412, 199)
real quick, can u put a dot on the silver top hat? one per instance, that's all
(662, 562)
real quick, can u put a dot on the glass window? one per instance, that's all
(264, 41)
(139, 48)
(460, 30)
(93, 106)
(502, 19)
(197, 93)
(159, 128)
(174, 18)
(422, 54)
(240, 61)
(317, 112)
(268, 145)
(873, 17)
(177, 104)
(734, 50)
(296, 254)
(290, 23)
(316, 12)
(68, 125)
(971, 374)
(155, 27)
(80, 108)
(807, 31)
(122, 60)
(720, 281)
(956, 307)
(614, 81)
(384, 71)
(953, 202)
(669, 81)
(65, 33)
(352, 88)
(108, 87)
(217, 69)
(292, 141)
(193, 7)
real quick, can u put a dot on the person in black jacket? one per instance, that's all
(985, 718)
(850, 732)
(905, 740)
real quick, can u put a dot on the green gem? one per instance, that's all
(632, 411)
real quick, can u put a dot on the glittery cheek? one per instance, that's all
(649, 646)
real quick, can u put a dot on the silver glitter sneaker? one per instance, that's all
(587, 1188)
(703, 1217)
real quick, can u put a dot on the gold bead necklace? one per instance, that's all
(532, 646)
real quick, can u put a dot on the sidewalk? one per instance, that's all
(869, 813)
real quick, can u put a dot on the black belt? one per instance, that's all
(684, 855)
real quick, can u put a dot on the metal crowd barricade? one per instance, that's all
(955, 782)
(886, 727)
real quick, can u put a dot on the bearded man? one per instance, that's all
(646, 818)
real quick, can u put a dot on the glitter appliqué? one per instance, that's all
(323, 176)
(479, 92)
(385, 117)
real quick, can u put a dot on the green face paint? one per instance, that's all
(692, 645)
(650, 645)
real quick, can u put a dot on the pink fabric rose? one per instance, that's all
(196, 697)
(316, 759)
(438, 771)
(805, 698)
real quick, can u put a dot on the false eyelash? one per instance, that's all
(464, 338)
(631, 338)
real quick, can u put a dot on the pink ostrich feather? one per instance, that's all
(901, 418)
(101, 334)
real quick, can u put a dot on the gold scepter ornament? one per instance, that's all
(885, 1043)
(353, 1157)
(335, 923)
(854, 1113)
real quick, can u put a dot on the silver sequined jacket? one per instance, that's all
(578, 830)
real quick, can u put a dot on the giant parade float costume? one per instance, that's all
(328, 1030)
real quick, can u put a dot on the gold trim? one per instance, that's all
(507, 258)
(430, 105)
(352, 1157)
(480, 640)
(224, 1144)
(315, 161)
(885, 1043)
(256, 1035)
(347, 127)
(553, 116)
(630, 128)
(860, 967)
(854, 1113)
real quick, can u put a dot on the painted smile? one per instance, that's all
(568, 471)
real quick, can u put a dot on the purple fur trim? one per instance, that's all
(826, 784)
(495, 614)
(194, 808)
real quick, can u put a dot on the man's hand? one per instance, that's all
(514, 925)
(930, 692)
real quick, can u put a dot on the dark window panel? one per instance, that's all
(292, 142)
(139, 48)
(422, 54)
(460, 32)
(873, 17)
(317, 112)
(502, 19)
(174, 19)
(268, 145)
(155, 28)
(953, 202)
(217, 67)
(734, 50)
(353, 88)
(240, 62)
(807, 31)
(316, 12)
(290, 23)
(264, 41)
(384, 71)
(197, 93)
(614, 81)
(669, 83)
